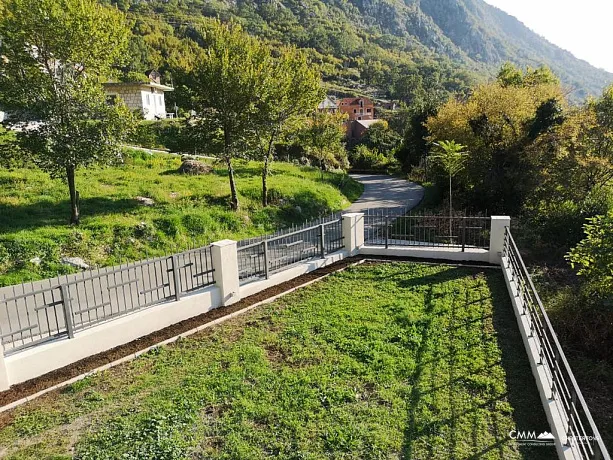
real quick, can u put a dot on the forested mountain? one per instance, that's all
(388, 48)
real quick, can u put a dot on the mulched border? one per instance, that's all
(33, 386)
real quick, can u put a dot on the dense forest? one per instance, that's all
(388, 48)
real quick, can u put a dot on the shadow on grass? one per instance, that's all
(45, 213)
(520, 388)
(522, 391)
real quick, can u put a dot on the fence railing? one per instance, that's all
(397, 227)
(36, 312)
(581, 431)
(258, 259)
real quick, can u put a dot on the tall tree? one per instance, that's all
(226, 84)
(323, 139)
(55, 56)
(451, 157)
(289, 88)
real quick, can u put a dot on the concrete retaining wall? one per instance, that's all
(46, 357)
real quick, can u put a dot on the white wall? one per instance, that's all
(153, 104)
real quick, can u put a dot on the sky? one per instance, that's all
(583, 27)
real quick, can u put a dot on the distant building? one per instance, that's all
(357, 108)
(357, 128)
(389, 105)
(146, 97)
(328, 105)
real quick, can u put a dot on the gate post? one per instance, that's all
(353, 232)
(225, 265)
(497, 232)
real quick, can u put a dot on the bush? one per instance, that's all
(363, 157)
(175, 135)
(594, 257)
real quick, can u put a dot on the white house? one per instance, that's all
(147, 97)
(328, 105)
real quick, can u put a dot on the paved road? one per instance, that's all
(382, 191)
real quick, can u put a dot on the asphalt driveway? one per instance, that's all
(382, 191)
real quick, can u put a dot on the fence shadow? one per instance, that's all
(522, 393)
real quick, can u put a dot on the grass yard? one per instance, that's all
(188, 211)
(393, 360)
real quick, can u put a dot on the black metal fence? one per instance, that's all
(581, 431)
(258, 258)
(398, 227)
(36, 312)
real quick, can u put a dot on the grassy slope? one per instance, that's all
(189, 211)
(384, 361)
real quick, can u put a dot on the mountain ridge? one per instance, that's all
(393, 47)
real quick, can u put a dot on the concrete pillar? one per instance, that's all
(499, 223)
(4, 375)
(225, 264)
(353, 232)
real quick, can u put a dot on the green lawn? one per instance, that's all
(189, 211)
(381, 361)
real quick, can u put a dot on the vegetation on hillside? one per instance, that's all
(385, 361)
(188, 211)
(389, 48)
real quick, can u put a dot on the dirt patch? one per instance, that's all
(33, 386)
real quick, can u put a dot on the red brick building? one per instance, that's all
(358, 108)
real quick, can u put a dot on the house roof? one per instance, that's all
(355, 100)
(367, 123)
(327, 103)
(148, 84)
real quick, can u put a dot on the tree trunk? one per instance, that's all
(267, 161)
(74, 195)
(265, 183)
(233, 193)
(450, 209)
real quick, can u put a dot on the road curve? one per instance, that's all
(382, 191)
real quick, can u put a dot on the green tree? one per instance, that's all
(226, 84)
(322, 138)
(594, 256)
(55, 55)
(288, 89)
(382, 138)
(451, 157)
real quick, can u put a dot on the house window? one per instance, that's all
(368, 110)
(355, 111)
(361, 110)
(359, 118)
(361, 103)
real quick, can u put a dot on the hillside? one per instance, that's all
(187, 211)
(387, 48)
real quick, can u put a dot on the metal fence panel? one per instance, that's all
(43, 310)
(581, 431)
(259, 257)
(398, 227)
